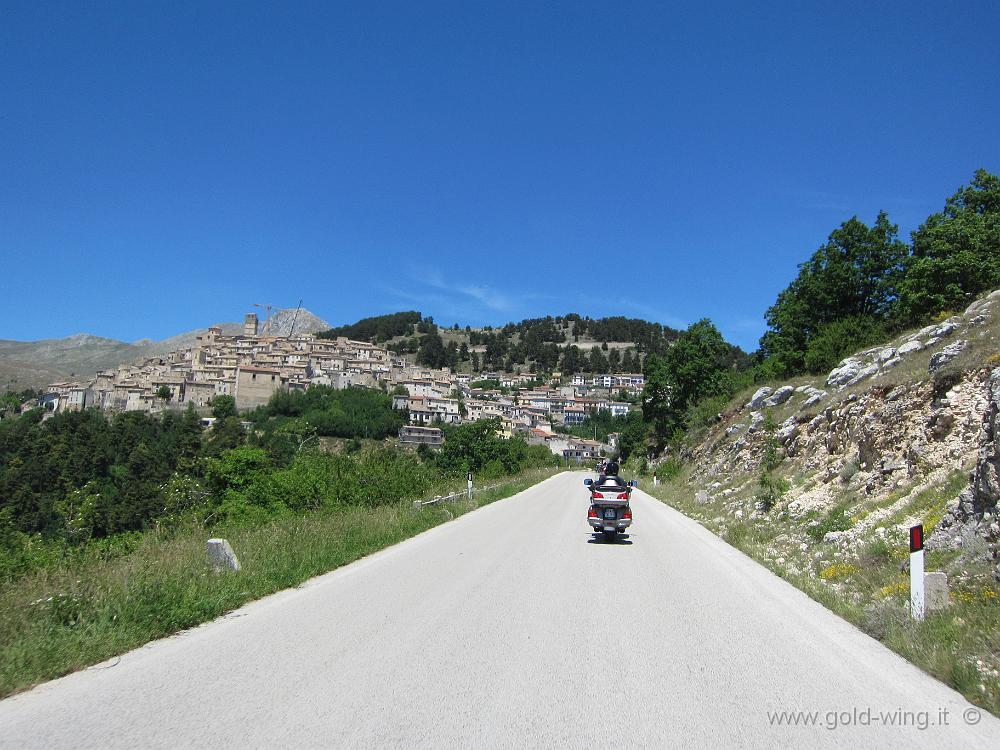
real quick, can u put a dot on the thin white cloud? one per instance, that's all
(486, 296)
(491, 298)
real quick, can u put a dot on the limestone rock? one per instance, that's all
(977, 306)
(944, 329)
(971, 515)
(890, 465)
(788, 430)
(843, 373)
(946, 355)
(701, 497)
(863, 373)
(909, 347)
(779, 397)
(940, 423)
(758, 398)
(889, 364)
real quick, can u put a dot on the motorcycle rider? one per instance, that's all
(609, 472)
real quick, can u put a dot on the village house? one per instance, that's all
(256, 385)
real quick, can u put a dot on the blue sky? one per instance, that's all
(164, 166)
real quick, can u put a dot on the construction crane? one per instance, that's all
(291, 331)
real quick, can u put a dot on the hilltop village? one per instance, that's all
(251, 367)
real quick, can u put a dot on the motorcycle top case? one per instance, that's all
(609, 494)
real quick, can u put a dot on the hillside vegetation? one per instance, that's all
(820, 480)
(872, 405)
(90, 480)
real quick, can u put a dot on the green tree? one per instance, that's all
(693, 369)
(432, 352)
(956, 253)
(597, 362)
(223, 406)
(656, 398)
(696, 365)
(855, 274)
(573, 360)
(614, 361)
(628, 362)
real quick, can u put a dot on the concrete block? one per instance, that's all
(935, 591)
(221, 555)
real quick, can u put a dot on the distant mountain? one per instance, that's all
(280, 323)
(185, 340)
(32, 364)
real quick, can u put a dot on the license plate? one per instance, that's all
(610, 513)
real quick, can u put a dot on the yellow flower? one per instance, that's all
(901, 588)
(838, 571)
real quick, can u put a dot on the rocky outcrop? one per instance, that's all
(884, 440)
(974, 513)
(758, 398)
(873, 362)
(779, 397)
(946, 355)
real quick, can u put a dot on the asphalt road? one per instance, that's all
(513, 627)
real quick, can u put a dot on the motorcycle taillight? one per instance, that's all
(627, 515)
(623, 496)
(592, 513)
(598, 496)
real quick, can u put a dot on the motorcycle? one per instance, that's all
(609, 512)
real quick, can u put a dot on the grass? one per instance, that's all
(835, 520)
(931, 504)
(68, 616)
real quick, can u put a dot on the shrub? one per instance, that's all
(875, 553)
(770, 490)
(669, 469)
(848, 470)
(837, 340)
(836, 520)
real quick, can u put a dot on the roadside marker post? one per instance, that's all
(917, 572)
(470, 485)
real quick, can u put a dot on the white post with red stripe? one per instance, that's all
(917, 572)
